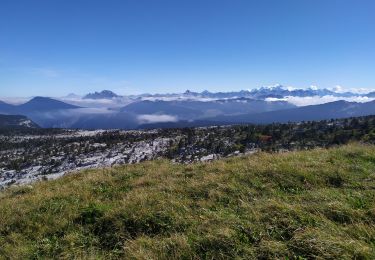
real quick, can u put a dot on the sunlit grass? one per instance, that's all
(310, 204)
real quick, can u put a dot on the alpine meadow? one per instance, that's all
(190, 129)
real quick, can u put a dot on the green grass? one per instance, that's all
(317, 204)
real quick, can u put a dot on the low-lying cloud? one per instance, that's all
(317, 100)
(97, 103)
(178, 98)
(147, 119)
(14, 100)
(65, 118)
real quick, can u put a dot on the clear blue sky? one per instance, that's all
(54, 47)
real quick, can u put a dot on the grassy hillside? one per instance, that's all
(311, 204)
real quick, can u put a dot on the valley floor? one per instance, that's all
(317, 204)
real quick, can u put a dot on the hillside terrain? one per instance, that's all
(337, 109)
(27, 155)
(16, 122)
(317, 204)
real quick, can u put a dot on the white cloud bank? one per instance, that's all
(97, 103)
(339, 89)
(149, 119)
(14, 100)
(317, 100)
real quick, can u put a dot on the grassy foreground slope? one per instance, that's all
(309, 204)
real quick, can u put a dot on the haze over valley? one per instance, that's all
(107, 110)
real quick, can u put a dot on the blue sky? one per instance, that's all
(55, 47)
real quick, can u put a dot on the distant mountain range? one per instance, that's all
(332, 110)
(192, 110)
(46, 112)
(105, 94)
(337, 109)
(262, 105)
(36, 104)
(276, 91)
(16, 121)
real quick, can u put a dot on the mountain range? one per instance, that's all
(191, 109)
(46, 112)
(105, 94)
(276, 91)
(262, 105)
(337, 109)
(36, 104)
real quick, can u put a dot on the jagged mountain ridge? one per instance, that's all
(105, 94)
(277, 91)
